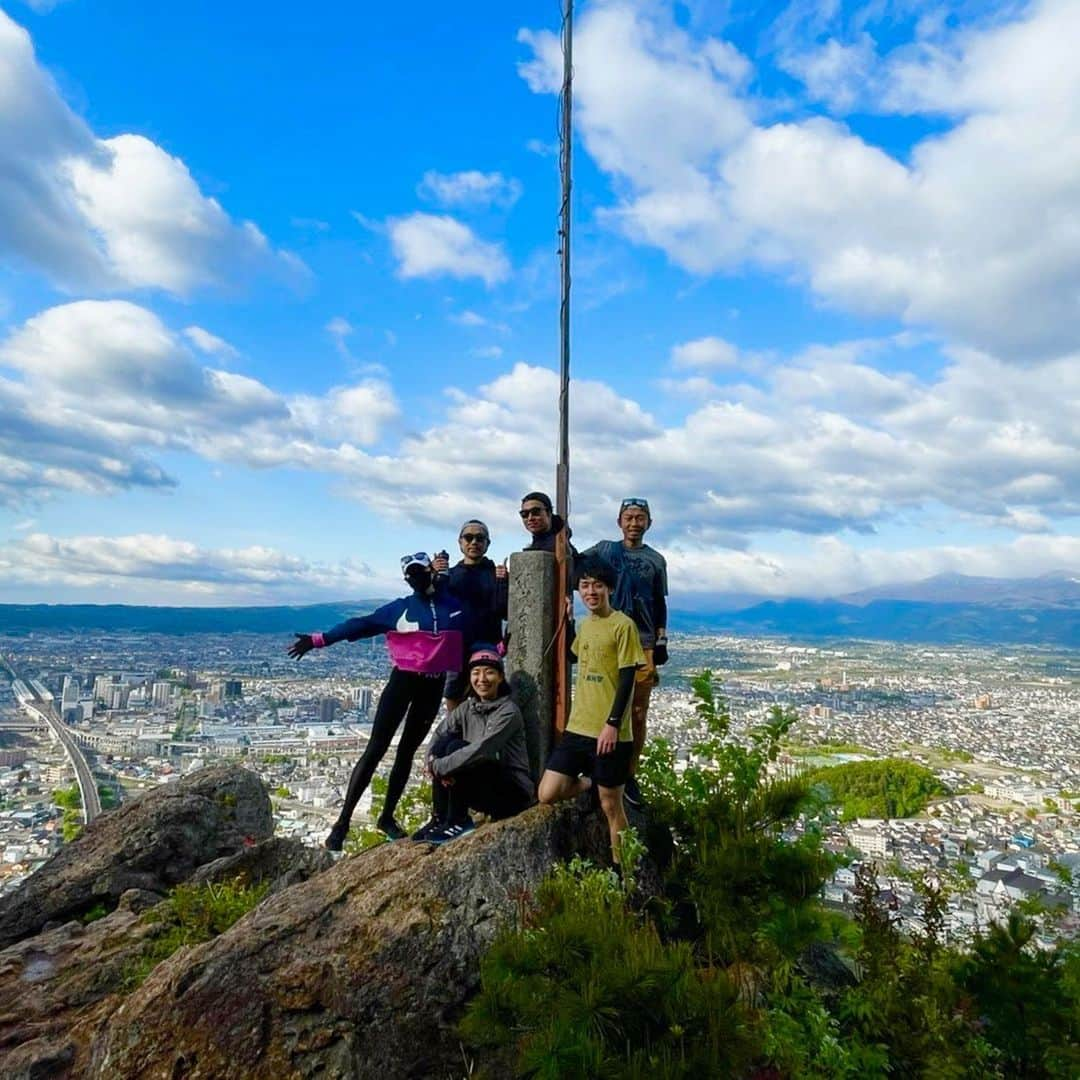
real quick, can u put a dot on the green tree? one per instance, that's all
(68, 798)
(736, 969)
(878, 789)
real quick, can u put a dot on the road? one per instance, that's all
(91, 801)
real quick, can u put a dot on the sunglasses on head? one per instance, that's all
(532, 511)
(474, 538)
(642, 504)
(421, 557)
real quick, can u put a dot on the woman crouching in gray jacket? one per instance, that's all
(478, 759)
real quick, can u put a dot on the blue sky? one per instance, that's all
(278, 292)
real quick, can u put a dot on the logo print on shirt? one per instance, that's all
(404, 625)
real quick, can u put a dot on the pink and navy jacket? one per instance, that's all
(423, 632)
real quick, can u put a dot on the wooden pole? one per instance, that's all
(562, 474)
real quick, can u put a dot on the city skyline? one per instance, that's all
(278, 295)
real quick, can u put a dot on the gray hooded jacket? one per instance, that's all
(494, 731)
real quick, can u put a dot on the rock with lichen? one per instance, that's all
(150, 843)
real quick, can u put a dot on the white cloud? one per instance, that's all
(210, 344)
(542, 148)
(653, 107)
(706, 352)
(473, 320)
(829, 567)
(469, 189)
(107, 213)
(178, 570)
(96, 394)
(837, 73)
(98, 388)
(487, 352)
(970, 234)
(339, 327)
(432, 245)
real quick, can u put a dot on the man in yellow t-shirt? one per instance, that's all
(598, 744)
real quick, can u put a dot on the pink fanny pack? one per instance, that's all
(425, 652)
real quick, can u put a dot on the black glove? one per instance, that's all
(659, 652)
(303, 644)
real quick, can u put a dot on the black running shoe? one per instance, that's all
(391, 828)
(336, 838)
(452, 832)
(429, 827)
(632, 793)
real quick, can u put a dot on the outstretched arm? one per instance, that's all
(378, 622)
(303, 644)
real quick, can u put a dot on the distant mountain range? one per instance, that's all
(1057, 589)
(946, 608)
(124, 618)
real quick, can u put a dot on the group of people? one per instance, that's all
(445, 640)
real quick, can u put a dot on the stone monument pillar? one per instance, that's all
(530, 657)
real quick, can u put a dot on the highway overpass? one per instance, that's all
(29, 694)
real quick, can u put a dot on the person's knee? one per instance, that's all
(611, 801)
(373, 753)
(551, 788)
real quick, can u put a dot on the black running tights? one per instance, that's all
(409, 696)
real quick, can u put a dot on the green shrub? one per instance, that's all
(586, 988)
(412, 811)
(98, 911)
(1027, 999)
(746, 893)
(71, 825)
(714, 979)
(191, 915)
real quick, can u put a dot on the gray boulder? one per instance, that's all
(361, 971)
(279, 861)
(59, 986)
(151, 843)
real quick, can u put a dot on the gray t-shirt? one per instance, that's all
(642, 589)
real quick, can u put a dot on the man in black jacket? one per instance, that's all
(541, 524)
(483, 589)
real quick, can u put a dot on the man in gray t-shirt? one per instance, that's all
(641, 593)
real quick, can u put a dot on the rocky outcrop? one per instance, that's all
(278, 862)
(151, 843)
(58, 986)
(359, 972)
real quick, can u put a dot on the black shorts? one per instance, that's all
(576, 756)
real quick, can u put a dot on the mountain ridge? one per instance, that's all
(1043, 610)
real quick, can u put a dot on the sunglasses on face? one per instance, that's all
(474, 538)
(532, 511)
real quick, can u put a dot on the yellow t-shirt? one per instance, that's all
(602, 646)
